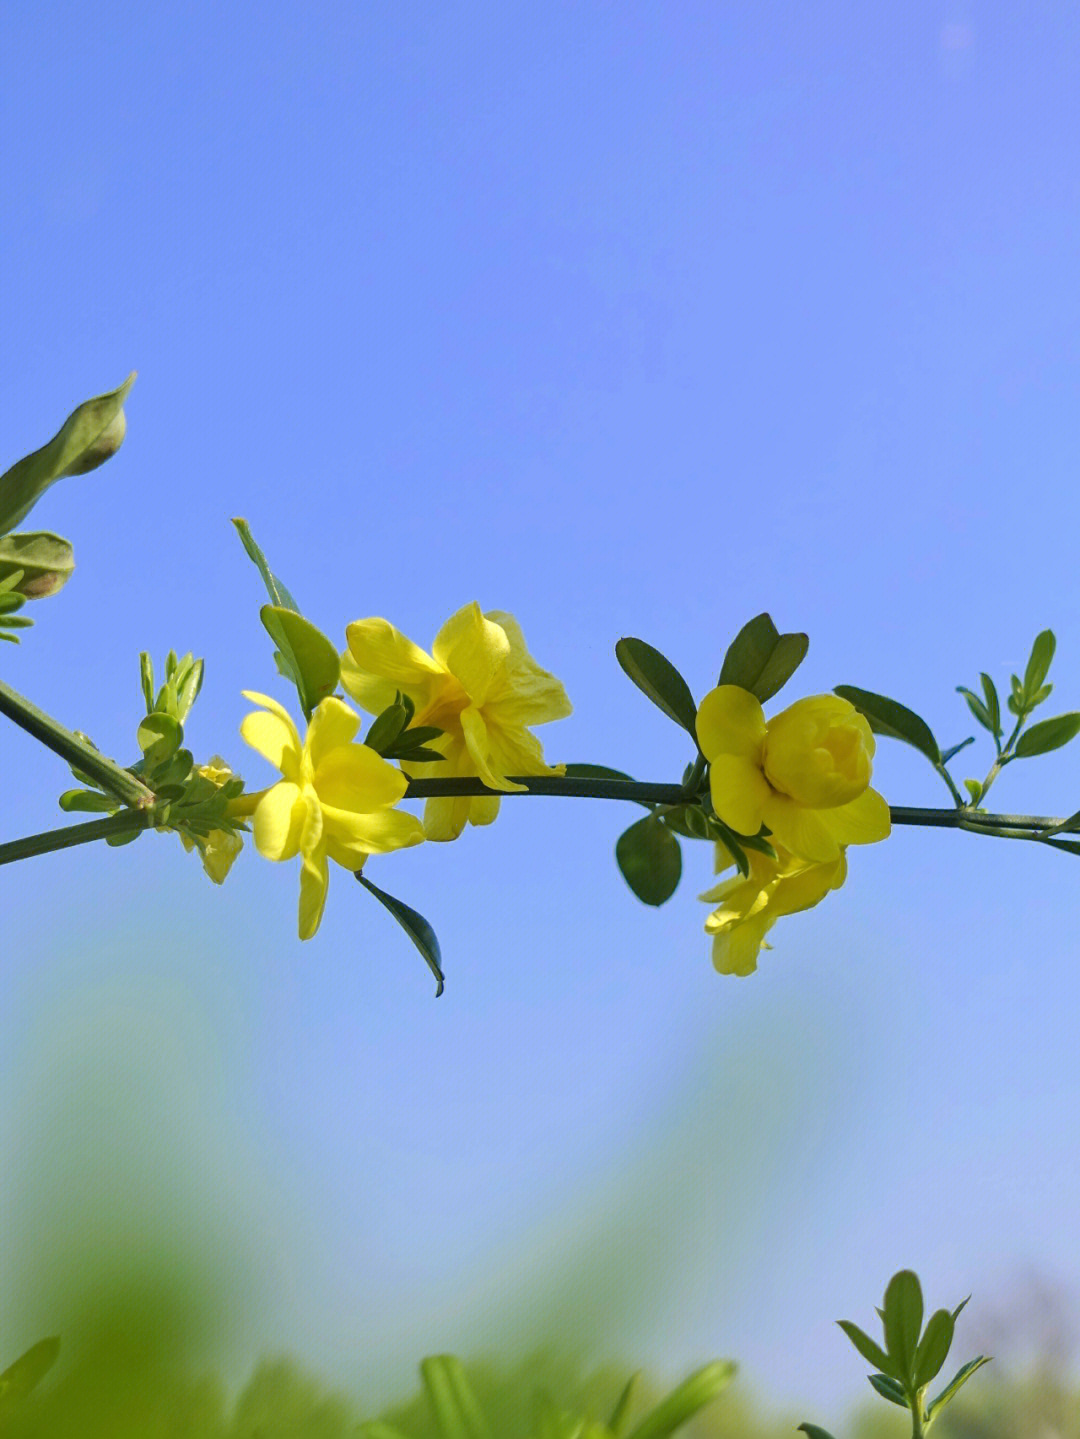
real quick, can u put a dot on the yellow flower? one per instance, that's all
(479, 685)
(805, 773)
(334, 801)
(219, 848)
(750, 907)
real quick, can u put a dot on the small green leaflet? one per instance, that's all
(657, 677)
(760, 659)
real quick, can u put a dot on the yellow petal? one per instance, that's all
(445, 816)
(278, 821)
(483, 809)
(739, 791)
(274, 736)
(314, 882)
(479, 744)
(802, 831)
(474, 650)
(218, 852)
(730, 721)
(735, 950)
(512, 749)
(384, 652)
(862, 821)
(369, 691)
(804, 889)
(354, 778)
(332, 724)
(525, 694)
(357, 835)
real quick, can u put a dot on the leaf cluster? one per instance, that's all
(35, 564)
(759, 659)
(187, 799)
(911, 1355)
(391, 736)
(889, 717)
(458, 1413)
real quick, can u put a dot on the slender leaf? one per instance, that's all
(888, 717)
(86, 439)
(657, 677)
(650, 859)
(312, 658)
(1038, 665)
(46, 562)
(960, 1308)
(934, 1346)
(621, 1413)
(279, 595)
(993, 704)
(29, 1369)
(889, 1389)
(871, 1352)
(1048, 735)
(680, 1406)
(903, 1322)
(762, 660)
(977, 708)
(415, 926)
(146, 679)
(815, 1431)
(452, 1399)
(955, 749)
(959, 1379)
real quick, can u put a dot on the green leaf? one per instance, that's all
(420, 755)
(1047, 735)
(1040, 695)
(955, 749)
(86, 439)
(903, 1322)
(452, 1399)
(88, 801)
(762, 660)
(650, 859)
(977, 708)
(871, 1352)
(279, 595)
(959, 1379)
(896, 721)
(126, 836)
(312, 658)
(415, 926)
(974, 789)
(658, 678)
(159, 737)
(815, 1431)
(734, 844)
(188, 688)
(889, 1389)
(993, 704)
(146, 679)
(45, 559)
(680, 1406)
(29, 1369)
(960, 1308)
(621, 1412)
(386, 727)
(1038, 665)
(934, 1346)
(1067, 844)
(686, 819)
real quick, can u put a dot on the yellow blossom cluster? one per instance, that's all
(804, 777)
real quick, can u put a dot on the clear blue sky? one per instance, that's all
(627, 319)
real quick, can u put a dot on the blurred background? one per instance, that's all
(629, 319)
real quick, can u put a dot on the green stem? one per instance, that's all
(108, 774)
(73, 834)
